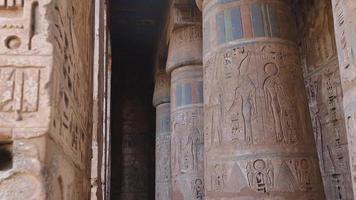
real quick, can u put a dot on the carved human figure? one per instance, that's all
(238, 92)
(303, 171)
(273, 92)
(248, 93)
(196, 140)
(198, 189)
(219, 178)
(260, 175)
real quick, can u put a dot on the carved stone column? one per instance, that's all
(258, 138)
(185, 66)
(161, 100)
(345, 30)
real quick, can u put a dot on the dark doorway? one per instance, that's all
(135, 26)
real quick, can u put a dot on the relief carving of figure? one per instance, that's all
(260, 175)
(186, 149)
(194, 144)
(273, 92)
(239, 92)
(219, 178)
(198, 189)
(248, 108)
(303, 170)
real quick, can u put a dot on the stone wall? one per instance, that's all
(71, 98)
(322, 79)
(25, 68)
(345, 31)
(45, 99)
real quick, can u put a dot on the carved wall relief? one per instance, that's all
(247, 102)
(187, 133)
(21, 28)
(24, 100)
(323, 83)
(255, 110)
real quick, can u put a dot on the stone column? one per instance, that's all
(345, 30)
(258, 138)
(161, 100)
(185, 66)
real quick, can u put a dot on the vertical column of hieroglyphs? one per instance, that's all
(322, 78)
(258, 138)
(161, 100)
(185, 66)
(69, 145)
(345, 30)
(25, 61)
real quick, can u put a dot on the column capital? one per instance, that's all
(185, 47)
(184, 13)
(162, 89)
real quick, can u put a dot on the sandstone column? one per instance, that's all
(161, 100)
(345, 30)
(185, 66)
(258, 138)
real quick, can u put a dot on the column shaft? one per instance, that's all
(345, 30)
(163, 152)
(184, 63)
(161, 101)
(258, 141)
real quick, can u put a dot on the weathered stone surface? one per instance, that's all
(162, 89)
(258, 137)
(161, 100)
(344, 12)
(185, 47)
(163, 152)
(187, 140)
(25, 68)
(184, 63)
(322, 78)
(45, 98)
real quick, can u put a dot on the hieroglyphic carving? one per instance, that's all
(185, 47)
(315, 24)
(260, 175)
(21, 27)
(252, 100)
(187, 141)
(11, 4)
(324, 92)
(322, 78)
(240, 103)
(185, 14)
(163, 151)
(263, 176)
(72, 79)
(344, 13)
(19, 88)
(255, 112)
(219, 177)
